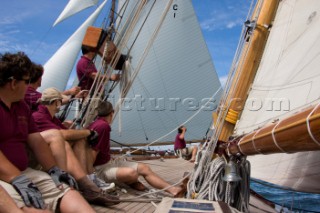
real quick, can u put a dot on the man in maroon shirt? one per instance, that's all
(122, 171)
(87, 71)
(62, 139)
(32, 95)
(180, 145)
(28, 187)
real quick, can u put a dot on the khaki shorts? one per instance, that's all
(50, 193)
(108, 171)
(186, 152)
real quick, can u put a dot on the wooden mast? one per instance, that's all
(247, 68)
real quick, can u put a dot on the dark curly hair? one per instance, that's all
(36, 73)
(14, 65)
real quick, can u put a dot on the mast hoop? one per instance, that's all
(308, 125)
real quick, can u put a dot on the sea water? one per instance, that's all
(287, 200)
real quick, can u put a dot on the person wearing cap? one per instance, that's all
(121, 171)
(31, 189)
(32, 95)
(66, 144)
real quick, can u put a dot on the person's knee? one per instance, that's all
(127, 175)
(144, 169)
(52, 136)
(132, 174)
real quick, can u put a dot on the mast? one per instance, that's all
(247, 68)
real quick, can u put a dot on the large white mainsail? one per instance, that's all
(73, 7)
(59, 66)
(287, 81)
(175, 80)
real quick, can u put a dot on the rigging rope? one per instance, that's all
(206, 183)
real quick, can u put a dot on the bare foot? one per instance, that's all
(175, 190)
(181, 191)
(192, 160)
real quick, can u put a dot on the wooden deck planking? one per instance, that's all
(165, 170)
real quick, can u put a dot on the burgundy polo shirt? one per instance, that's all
(45, 121)
(84, 69)
(103, 146)
(16, 124)
(31, 97)
(179, 143)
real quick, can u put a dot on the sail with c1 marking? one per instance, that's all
(177, 83)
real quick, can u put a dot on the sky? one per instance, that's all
(27, 26)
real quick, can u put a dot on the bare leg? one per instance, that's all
(156, 181)
(7, 205)
(127, 175)
(72, 201)
(80, 151)
(90, 160)
(74, 166)
(56, 142)
(194, 154)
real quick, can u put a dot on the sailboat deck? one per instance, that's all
(172, 170)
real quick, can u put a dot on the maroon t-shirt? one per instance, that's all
(103, 146)
(179, 143)
(45, 121)
(84, 69)
(31, 97)
(16, 124)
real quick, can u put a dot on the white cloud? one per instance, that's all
(225, 17)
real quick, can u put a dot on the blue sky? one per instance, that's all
(26, 26)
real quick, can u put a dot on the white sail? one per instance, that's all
(59, 66)
(175, 80)
(73, 7)
(287, 80)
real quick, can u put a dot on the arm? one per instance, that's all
(29, 193)
(183, 133)
(7, 170)
(41, 150)
(75, 134)
(72, 91)
(7, 204)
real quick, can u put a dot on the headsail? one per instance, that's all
(287, 81)
(73, 7)
(59, 66)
